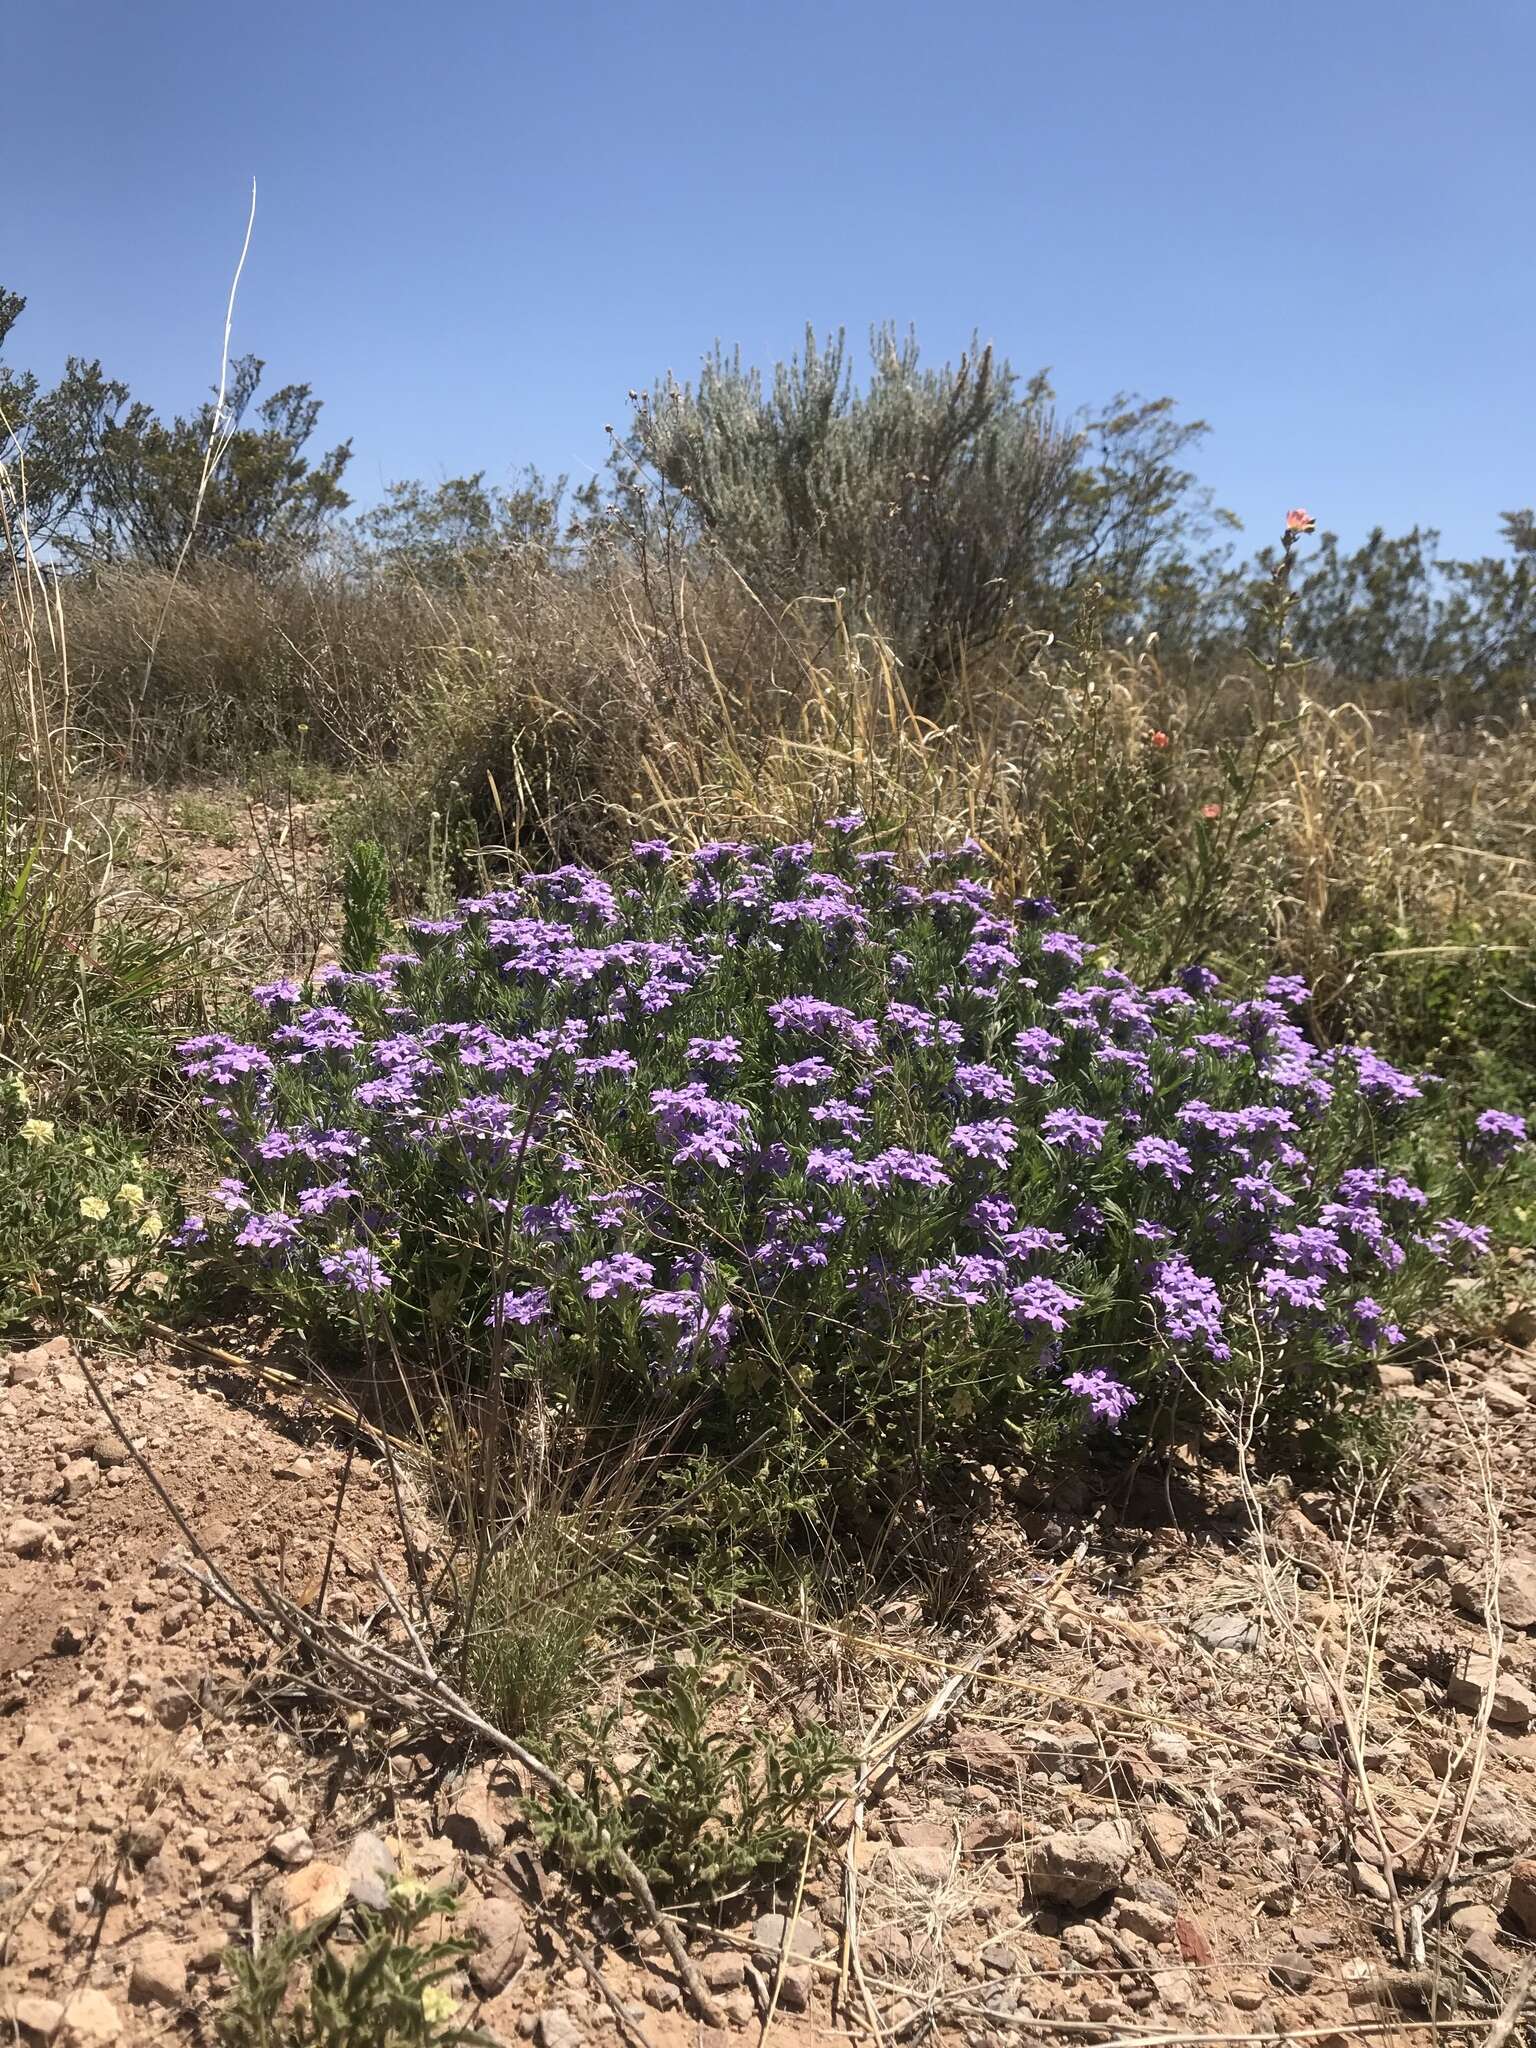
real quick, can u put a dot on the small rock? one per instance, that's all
(1488, 1955)
(1514, 1704)
(927, 1867)
(1502, 1400)
(276, 1792)
(33, 2014)
(31, 1539)
(1497, 1820)
(722, 1969)
(554, 2028)
(795, 1990)
(315, 1892)
(922, 1834)
(1084, 1944)
(661, 1994)
(1293, 1973)
(1225, 1630)
(371, 1870)
(1175, 1990)
(144, 1843)
(159, 1974)
(1475, 1919)
(498, 1926)
(292, 1849)
(1369, 1882)
(1067, 1869)
(983, 1753)
(1151, 1923)
(772, 1929)
(90, 2020)
(475, 1822)
(1521, 1902)
(1517, 1593)
(1166, 1834)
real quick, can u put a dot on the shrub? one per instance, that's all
(799, 1149)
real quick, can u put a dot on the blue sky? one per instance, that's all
(479, 224)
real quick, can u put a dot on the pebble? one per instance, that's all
(555, 2028)
(1517, 1593)
(1521, 1902)
(1502, 1398)
(291, 1849)
(371, 1870)
(1514, 1704)
(159, 1974)
(33, 2014)
(90, 2020)
(313, 1893)
(27, 1538)
(1067, 1869)
(502, 1933)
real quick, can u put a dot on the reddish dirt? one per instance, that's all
(1159, 1699)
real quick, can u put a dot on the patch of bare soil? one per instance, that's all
(1210, 1760)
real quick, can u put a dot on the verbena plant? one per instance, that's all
(856, 1163)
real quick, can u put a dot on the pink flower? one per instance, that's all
(1297, 520)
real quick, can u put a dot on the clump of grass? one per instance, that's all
(531, 1618)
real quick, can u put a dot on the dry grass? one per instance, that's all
(550, 713)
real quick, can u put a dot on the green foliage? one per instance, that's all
(108, 480)
(452, 532)
(82, 1219)
(710, 1802)
(530, 1619)
(299, 1990)
(364, 906)
(947, 502)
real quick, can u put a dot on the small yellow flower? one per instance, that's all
(437, 2004)
(152, 1229)
(94, 1209)
(37, 1130)
(131, 1195)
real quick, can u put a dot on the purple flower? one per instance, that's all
(1073, 1131)
(897, 1167)
(993, 1139)
(724, 1053)
(524, 1306)
(847, 825)
(1041, 1304)
(1109, 1400)
(1162, 1156)
(273, 995)
(621, 1274)
(1293, 1293)
(959, 1283)
(651, 853)
(356, 1271)
(270, 1232)
(1372, 1324)
(1188, 1308)
(1311, 1249)
(983, 1083)
(808, 1073)
(1497, 1136)
(1456, 1243)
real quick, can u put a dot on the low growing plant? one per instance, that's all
(801, 1148)
(82, 1220)
(389, 1991)
(702, 1808)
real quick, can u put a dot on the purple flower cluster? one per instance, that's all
(824, 1132)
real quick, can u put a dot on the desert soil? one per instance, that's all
(1131, 1820)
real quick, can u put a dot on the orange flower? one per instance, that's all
(1299, 521)
(1210, 811)
(1157, 739)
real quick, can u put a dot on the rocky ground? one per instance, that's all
(1110, 1804)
